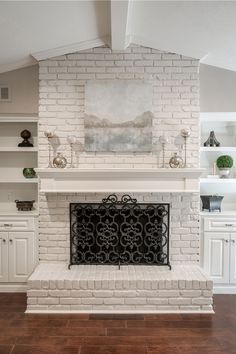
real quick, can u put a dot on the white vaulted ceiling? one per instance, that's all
(36, 30)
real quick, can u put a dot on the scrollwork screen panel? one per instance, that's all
(119, 232)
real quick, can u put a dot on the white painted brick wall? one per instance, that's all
(175, 106)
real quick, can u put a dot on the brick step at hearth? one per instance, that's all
(105, 289)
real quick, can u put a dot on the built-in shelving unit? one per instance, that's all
(13, 159)
(224, 126)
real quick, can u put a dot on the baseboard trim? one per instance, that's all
(118, 312)
(224, 290)
(13, 288)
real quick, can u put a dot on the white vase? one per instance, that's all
(224, 172)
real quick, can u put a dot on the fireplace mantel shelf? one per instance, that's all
(119, 180)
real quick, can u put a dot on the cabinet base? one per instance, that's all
(224, 289)
(13, 288)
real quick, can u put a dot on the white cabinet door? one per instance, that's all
(233, 259)
(3, 256)
(21, 255)
(216, 256)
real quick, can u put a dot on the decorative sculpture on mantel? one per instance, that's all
(185, 133)
(75, 148)
(59, 161)
(163, 140)
(49, 135)
(212, 141)
(72, 140)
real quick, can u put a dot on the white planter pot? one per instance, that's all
(224, 172)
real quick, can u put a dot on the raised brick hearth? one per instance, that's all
(106, 289)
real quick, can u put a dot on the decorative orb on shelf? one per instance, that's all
(29, 172)
(59, 161)
(26, 135)
(176, 161)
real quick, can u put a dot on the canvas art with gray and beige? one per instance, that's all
(118, 116)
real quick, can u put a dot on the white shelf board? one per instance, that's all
(18, 119)
(15, 212)
(19, 180)
(216, 149)
(218, 180)
(218, 116)
(17, 149)
(218, 214)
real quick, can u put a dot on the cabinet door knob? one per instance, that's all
(3, 240)
(226, 240)
(10, 240)
(8, 225)
(233, 241)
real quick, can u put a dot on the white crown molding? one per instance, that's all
(17, 65)
(71, 48)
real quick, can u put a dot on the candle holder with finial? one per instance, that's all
(163, 141)
(72, 140)
(185, 133)
(49, 134)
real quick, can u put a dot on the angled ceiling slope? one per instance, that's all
(36, 30)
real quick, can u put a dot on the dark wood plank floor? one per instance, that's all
(116, 334)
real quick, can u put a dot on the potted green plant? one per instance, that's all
(224, 164)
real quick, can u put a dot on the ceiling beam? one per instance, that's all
(120, 20)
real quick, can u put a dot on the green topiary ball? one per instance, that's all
(224, 161)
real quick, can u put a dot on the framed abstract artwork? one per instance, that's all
(118, 116)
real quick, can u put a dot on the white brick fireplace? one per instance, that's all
(175, 106)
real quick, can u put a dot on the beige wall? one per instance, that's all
(217, 89)
(24, 88)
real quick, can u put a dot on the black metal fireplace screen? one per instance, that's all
(119, 232)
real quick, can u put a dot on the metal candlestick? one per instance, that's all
(163, 140)
(71, 140)
(49, 135)
(185, 133)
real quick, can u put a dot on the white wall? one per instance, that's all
(24, 88)
(217, 89)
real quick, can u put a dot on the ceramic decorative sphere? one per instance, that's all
(29, 172)
(176, 161)
(25, 134)
(163, 139)
(185, 133)
(59, 161)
